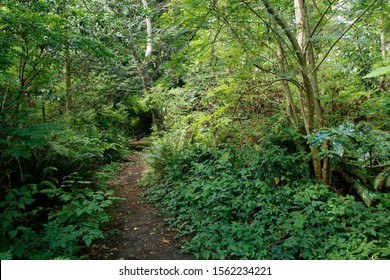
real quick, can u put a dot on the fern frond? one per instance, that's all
(61, 258)
(6, 255)
(363, 192)
(379, 181)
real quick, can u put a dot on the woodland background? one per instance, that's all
(267, 124)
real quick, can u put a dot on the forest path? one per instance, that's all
(140, 233)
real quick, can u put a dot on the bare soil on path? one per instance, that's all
(139, 233)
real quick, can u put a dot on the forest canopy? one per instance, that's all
(267, 124)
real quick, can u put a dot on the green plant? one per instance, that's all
(6, 255)
(70, 219)
(256, 203)
(381, 71)
(359, 155)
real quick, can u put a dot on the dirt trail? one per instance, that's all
(140, 233)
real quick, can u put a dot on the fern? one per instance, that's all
(61, 258)
(382, 180)
(6, 255)
(363, 192)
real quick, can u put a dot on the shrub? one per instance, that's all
(47, 208)
(42, 221)
(252, 203)
(360, 158)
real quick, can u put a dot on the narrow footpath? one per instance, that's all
(137, 232)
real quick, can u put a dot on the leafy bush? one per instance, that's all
(252, 203)
(44, 220)
(27, 152)
(354, 143)
(359, 157)
(72, 152)
(47, 208)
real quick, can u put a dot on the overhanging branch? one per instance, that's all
(344, 33)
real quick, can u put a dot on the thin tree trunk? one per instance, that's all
(68, 84)
(292, 117)
(383, 41)
(321, 167)
(68, 69)
(149, 31)
(302, 110)
(383, 49)
(143, 67)
(43, 109)
(306, 45)
(299, 23)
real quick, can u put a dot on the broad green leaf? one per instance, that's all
(378, 72)
(88, 241)
(13, 233)
(79, 212)
(27, 200)
(66, 197)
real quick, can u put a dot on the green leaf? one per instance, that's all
(27, 200)
(22, 205)
(66, 197)
(378, 72)
(10, 196)
(79, 212)
(88, 241)
(13, 233)
(6, 255)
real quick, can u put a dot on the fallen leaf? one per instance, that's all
(165, 241)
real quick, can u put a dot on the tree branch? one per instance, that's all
(286, 30)
(270, 26)
(322, 18)
(343, 34)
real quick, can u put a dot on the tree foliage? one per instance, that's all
(248, 81)
(268, 123)
(69, 103)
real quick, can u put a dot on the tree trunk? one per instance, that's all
(292, 117)
(143, 67)
(306, 45)
(68, 83)
(321, 167)
(68, 69)
(149, 31)
(299, 21)
(383, 41)
(307, 68)
(43, 110)
(147, 83)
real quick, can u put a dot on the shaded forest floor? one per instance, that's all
(136, 231)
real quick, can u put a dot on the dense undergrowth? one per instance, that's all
(54, 190)
(258, 202)
(243, 118)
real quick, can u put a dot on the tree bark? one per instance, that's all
(149, 31)
(383, 41)
(68, 68)
(143, 67)
(68, 83)
(306, 45)
(307, 68)
(292, 117)
(321, 167)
